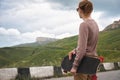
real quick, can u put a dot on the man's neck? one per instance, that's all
(86, 18)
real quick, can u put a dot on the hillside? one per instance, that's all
(109, 45)
(9, 55)
(52, 53)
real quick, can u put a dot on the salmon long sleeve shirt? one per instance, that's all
(87, 41)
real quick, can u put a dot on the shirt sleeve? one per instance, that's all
(82, 44)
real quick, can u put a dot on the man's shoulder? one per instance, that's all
(83, 25)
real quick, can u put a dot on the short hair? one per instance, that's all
(86, 6)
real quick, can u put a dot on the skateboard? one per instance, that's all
(88, 65)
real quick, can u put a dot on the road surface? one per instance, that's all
(110, 75)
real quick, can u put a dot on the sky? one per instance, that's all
(21, 21)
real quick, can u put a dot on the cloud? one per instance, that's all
(21, 21)
(12, 32)
(65, 4)
(40, 16)
(110, 7)
(29, 20)
(64, 35)
(10, 37)
(36, 16)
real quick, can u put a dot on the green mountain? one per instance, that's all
(53, 53)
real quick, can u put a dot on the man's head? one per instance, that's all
(85, 8)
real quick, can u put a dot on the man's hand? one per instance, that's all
(71, 53)
(73, 71)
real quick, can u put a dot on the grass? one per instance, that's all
(10, 55)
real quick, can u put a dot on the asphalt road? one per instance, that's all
(110, 75)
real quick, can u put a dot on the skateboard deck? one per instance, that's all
(88, 65)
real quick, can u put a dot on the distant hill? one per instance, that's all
(44, 39)
(53, 52)
(11, 55)
(114, 25)
(39, 41)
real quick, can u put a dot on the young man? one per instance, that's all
(87, 38)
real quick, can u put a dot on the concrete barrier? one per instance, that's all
(23, 73)
(109, 66)
(101, 67)
(8, 73)
(39, 72)
(116, 65)
(57, 71)
(119, 64)
(45, 71)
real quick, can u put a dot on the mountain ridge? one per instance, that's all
(114, 25)
(39, 41)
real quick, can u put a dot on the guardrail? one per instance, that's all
(45, 71)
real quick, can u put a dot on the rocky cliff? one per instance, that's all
(114, 25)
(44, 39)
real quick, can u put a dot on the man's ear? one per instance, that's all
(80, 11)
